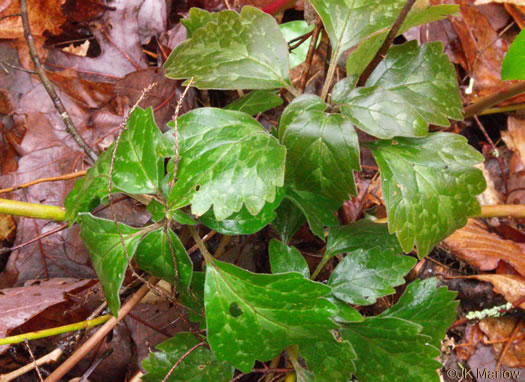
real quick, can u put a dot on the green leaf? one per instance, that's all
(366, 275)
(318, 210)
(137, 167)
(255, 102)
(193, 299)
(427, 305)
(360, 57)
(322, 148)
(512, 68)
(181, 217)
(286, 259)
(197, 18)
(348, 22)
(157, 210)
(155, 255)
(329, 360)
(429, 187)
(392, 349)
(288, 221)
(200, 365)
(232, 51)
(295, 29)
(243, 222)
(88, 191)
(281, 310)
(227, 160)
(363, 234)
(412, 87)
(108, 257)
(345, 313)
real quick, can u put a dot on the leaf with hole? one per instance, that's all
(227, 161)
(255, 316)
(322, 149)
(104, 243)
(232, 51)
(414, 86)
(363, 276)
(156, 252)
(429, 187)
(199, 365)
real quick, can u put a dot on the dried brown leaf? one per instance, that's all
(512, 287)
(499, 329)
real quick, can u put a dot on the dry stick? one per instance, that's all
(182, 359)
(42, 180)
(34, 360)
(507, 345)
(51, 357)
(494, 99)
(101, 333)
(381, 53)
(310, 56)
(57, 102)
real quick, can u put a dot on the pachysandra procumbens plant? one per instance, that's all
(236, 178)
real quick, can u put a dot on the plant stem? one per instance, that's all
(330, 74)
(202, 247)
(55, 331)
(57, 102)
(381, 53)
(320, 266)
(502, 210)
(32, 210)
(494, 99)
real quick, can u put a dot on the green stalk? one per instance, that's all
(55, 331)
(32, 210)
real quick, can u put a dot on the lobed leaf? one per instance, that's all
(366, 275)
(412, 87)
(227, 160)
(232, 51)
(199, 365)
(429, 187)
(255, 316)
(322, 149)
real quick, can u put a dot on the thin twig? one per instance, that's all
(42, 180)
(104, 330)
(185, 355)
(34, 360)
(507, 345)
(381, 53)
(176, 131)
(11, 15)
(57, 102)
(494, 99)
(310, 56)
(16, 68)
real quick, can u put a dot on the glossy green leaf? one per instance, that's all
(427, 305)
(193, 299)
(348, 22)
(513, 68)
(322, 149)
(360, 57)
(329, 360)
(429, 187)
(200, 365)
(137, 168)
(286, 259)
(155, 255)
(108, 257)
(197, 18)
(181, 217)
(91, 189)
(227, 160)
(233, 51)
(412, 87)
(363, 234)
(292, 30)
(243, 222)
(288, 221)
(392, 349)
(345, 313)
(255, 102)
(318, 210)
(366, 275)
(255, 316)
(157, 210)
